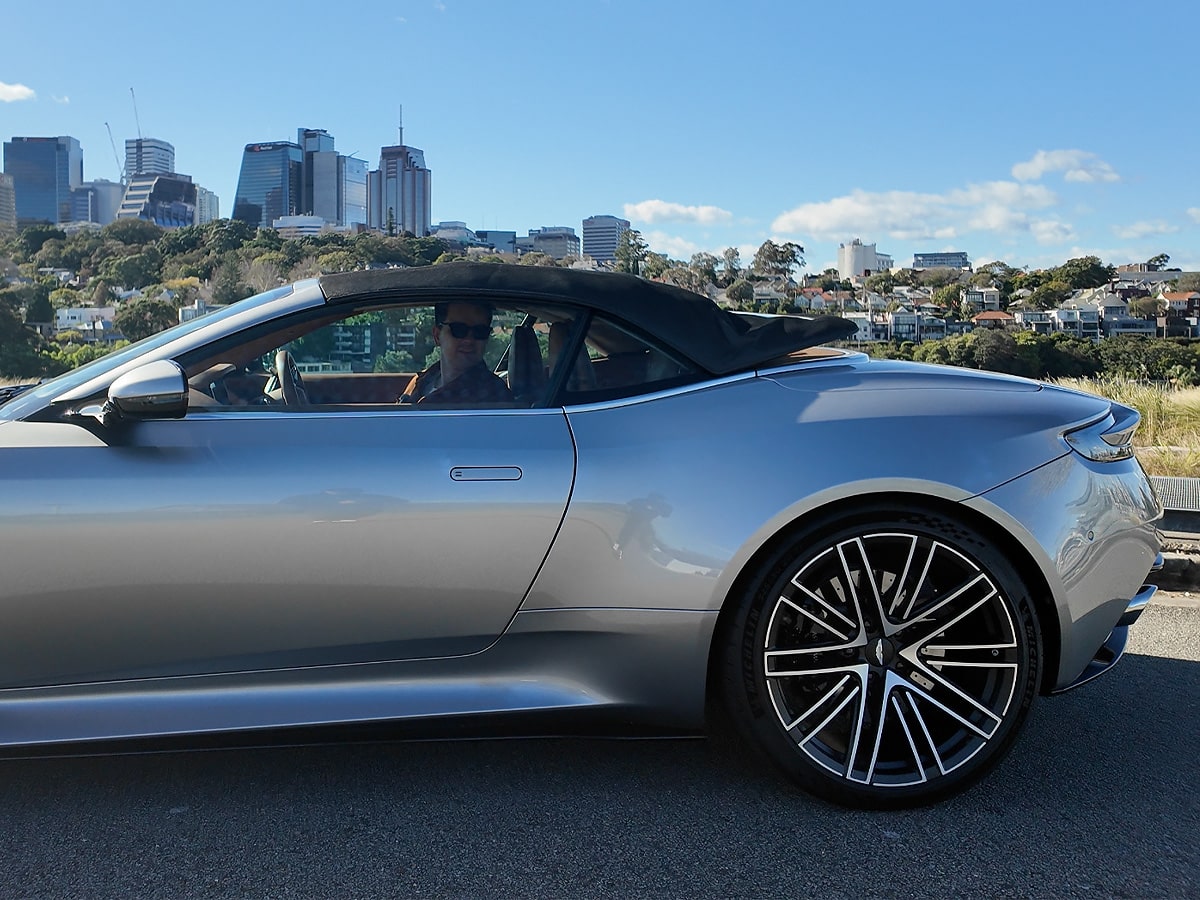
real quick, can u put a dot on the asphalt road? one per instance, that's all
(1097, 800)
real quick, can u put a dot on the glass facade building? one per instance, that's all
(399, 192)
(269, 183)
(44, 170)
(601, 234)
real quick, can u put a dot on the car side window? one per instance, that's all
(611, 362)
(353, 357)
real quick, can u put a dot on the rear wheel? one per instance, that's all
(883, 659)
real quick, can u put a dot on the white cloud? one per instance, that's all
(1051, 232)
(674, 247)
(652, 211)
(996, 207)
(10, 93)
(1077, 165)
(1142, 229)
(63, 100)
(1194, 212)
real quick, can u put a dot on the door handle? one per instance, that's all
(485, 473)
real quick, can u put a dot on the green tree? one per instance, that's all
(1157, 263)
(1189, 281)
(40, 309)
(135, 271)
(1084, 272)
(141, 317)
(631, 252)
(703, 267)
(881, 283)
(30, 240)
(740, 293)
(227, 286)
(1049, 295)
(776, 261)
(731, 266)
(134, 232)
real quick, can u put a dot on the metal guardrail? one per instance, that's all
(1177, 494)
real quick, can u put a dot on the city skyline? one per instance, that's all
(704, 124)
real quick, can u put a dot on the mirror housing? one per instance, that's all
(156, 390)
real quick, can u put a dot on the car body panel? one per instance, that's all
(166, 530)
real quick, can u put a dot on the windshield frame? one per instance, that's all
(35, 398)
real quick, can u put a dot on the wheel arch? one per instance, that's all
(863, 504)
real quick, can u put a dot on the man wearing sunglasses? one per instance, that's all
(461, 330)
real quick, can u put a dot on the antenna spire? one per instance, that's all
(400, 127)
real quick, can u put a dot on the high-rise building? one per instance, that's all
(857, 260)
(352, 178)
(166, 200)
(269, 184)
(208, 206)
(43, 169)
(601, 234)
(8, 204)
(399, 191)
(96, 201)
(148, 156)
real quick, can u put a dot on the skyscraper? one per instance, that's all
(43, 169)
(269, 184)
(8, 204)
(601, 235)
(399, 192)
(148, 156)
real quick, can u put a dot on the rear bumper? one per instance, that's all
(1113, 648)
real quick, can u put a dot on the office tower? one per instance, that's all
(8, 205)
(43, 169)
(148, 156)
(208, 206)
(399, 192)
(558, 241)
(166, 200)
(601, 234)
(269, 184)
(352, 179)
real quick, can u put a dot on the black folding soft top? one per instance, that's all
(718, 340)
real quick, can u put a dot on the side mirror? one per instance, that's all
(157, 390)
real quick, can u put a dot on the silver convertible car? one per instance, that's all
(648, 514)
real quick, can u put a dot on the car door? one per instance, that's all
(266, 539)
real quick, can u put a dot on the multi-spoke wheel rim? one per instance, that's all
(892, 658)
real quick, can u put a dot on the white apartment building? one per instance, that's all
(858, 260)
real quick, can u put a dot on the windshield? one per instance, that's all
(36, 396)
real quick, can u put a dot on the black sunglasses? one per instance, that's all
(461, 329)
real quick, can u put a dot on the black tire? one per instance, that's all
(883, 658)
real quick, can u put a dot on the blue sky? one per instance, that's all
(1030, 132)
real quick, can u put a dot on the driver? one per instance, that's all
(461, 330)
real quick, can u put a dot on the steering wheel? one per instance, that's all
(287, 373)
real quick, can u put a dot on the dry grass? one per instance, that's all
(1168, 441)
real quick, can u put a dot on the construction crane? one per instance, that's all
(116, 156)
(135, 115)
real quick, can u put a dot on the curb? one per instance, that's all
(1180, 572)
